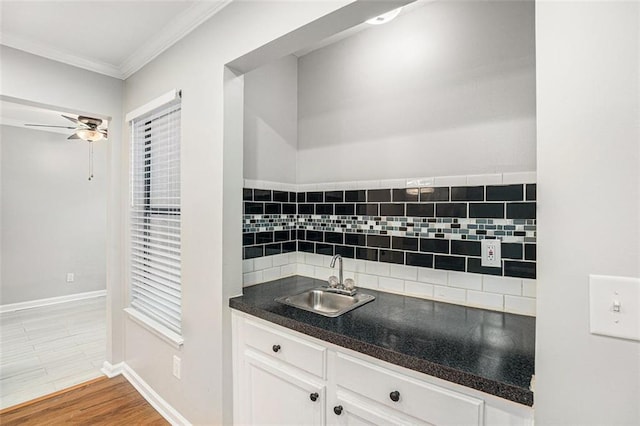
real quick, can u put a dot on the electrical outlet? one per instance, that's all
(177, 366)
(491, 253)
(70, 277)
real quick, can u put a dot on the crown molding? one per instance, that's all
(59, 55)
(170, 34)
(165, 37)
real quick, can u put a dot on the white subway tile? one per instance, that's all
(529, 288)
(450, 181)
(327, 186)
(288, 270)
(418, 288)
(518, 177)
(450, 294)
(463, 280)
(271, 274)
(491, 179)
(305, 187)
(299, 257)
(432, 276)
(376, 268)
(326, 262)
(349, 264)
(485, 300)
(247, 265)
(280, 259)
(262, 263)
(293, 258)
(349, 274)
(347, 186)
(251, 278)
(368, 184)
(391, 284)
(520, 305)
(393, 183)
(314, 259)
(366, 281)
(323, 273)
(502, 285)
(419, 182)
(403, 272)
(305, 270)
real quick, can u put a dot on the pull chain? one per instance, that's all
(90, 161)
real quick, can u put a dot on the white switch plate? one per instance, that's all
(615, 306)
(70, 277)
(177, 366)
(491, 253)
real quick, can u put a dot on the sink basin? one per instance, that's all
(326, 303)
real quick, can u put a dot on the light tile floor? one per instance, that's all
(43, 350)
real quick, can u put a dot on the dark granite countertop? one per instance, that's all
(485, 350)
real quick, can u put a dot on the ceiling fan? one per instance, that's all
(86, 128)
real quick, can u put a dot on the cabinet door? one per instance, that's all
(274, 396)
(354, 411)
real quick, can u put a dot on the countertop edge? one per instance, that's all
(499, 389)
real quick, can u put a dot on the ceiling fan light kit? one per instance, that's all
(89, 135)
(87, 129)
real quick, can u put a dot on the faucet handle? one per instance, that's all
(349, 284)
(333, 281)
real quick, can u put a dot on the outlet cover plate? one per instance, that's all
(614, 306)
(491, 253)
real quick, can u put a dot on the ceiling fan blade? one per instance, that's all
(47, 125)
(73, 120)
(74, 136)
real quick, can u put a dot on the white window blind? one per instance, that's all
(155, 215)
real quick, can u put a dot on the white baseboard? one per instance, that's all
(11, 307)
(156, 401)
(112, 370)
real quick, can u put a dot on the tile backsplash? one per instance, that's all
(423, 241)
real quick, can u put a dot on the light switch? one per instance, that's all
(615, 306)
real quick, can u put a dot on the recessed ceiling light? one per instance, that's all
(385, 17)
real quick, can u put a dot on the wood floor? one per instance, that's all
(98, 402)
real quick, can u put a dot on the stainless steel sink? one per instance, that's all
(326, 303)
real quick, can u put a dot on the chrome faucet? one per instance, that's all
(347, 288)
(333, 264)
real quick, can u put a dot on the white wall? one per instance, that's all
(446, 89)
(33, 78)
(211, 200)
(588, 97)
(271, 121)
(53, 218)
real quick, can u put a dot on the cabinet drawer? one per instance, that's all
(302, 354)
(427, 402)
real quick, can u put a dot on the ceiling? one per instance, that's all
(115, 38)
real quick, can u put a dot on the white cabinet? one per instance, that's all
(284, 377)
(432, 404)
(355, 411)
(275, 396)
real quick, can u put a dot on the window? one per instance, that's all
(155, 270)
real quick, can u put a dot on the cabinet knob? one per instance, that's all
(314, 396)
(395, 396)
(337, 409)
(275, 348)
